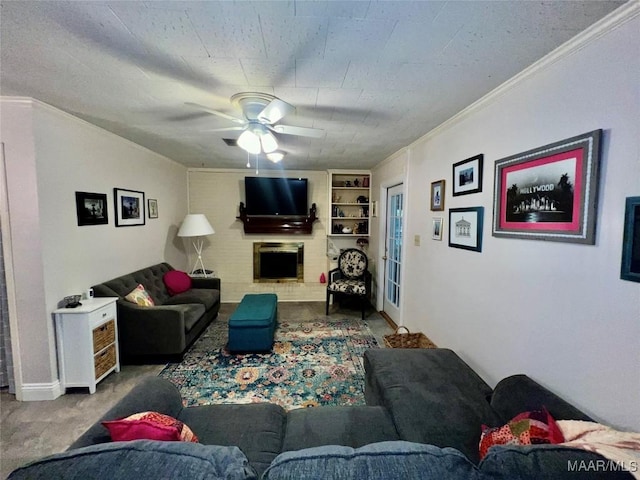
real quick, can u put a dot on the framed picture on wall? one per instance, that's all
(549, 193)
(437, 195)
(436, 232)
(91, 208)
(467, 176)
(465, 228)
(153, 208)
(129, 207)
(631, 241)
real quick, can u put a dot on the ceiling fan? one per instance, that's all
(261, 113)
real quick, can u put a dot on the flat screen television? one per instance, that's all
(275, 196)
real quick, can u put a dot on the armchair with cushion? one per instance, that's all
(351, 278)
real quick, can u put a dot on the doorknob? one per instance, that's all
(384, 258)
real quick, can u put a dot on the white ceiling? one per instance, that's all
(374, 75)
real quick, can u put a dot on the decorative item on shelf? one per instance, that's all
(337, 228)
(365, 182)
(347, 183)
(362, 227)
(347, 230)
(196, 226)
(362, 199)
(356, 183)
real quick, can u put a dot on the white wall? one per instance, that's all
(50, 155)
(229, 252)
(558, 312)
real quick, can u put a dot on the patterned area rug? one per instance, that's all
(313, 363)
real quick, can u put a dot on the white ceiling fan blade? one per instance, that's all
(215, 112)
(275, 111)
(300, 131)
(227, 129)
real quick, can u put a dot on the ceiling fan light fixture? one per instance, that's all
(275, 157)
(250, 142)
(269, 142)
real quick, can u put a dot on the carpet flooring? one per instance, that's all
(314, 362)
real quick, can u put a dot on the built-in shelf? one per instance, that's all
(279, 224)
(350, 193)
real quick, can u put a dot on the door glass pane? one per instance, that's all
(394, 245)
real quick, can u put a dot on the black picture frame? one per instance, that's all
(630, 269)
(130, 207)
(465, 228)
(91, 208)
(549, 193)
(467, 176)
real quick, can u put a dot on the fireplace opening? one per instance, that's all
(278, 262)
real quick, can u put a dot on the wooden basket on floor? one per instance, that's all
(407, 340)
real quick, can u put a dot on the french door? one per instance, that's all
(393, 253)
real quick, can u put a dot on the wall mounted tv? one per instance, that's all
(275, 196)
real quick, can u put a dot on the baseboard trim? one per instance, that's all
(391, 323)
(35, 392)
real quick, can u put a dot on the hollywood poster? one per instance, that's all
(542, 195)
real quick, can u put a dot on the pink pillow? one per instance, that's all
(149, 426)
(528, 428)
(176, 282)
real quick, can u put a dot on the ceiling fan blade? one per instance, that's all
(227, 129)
(215, 112)
(275, 111)
(300, 131)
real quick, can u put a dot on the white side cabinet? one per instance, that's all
(87, 340)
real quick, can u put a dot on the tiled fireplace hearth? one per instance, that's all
(278, 262)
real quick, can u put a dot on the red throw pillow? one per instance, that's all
(176, 282)
(149, 426)
(528, 428)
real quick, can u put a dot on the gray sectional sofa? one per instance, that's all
(422, 421)
(166, 330)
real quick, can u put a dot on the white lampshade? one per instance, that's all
(195, 225)
(269, 142)
(250, 142)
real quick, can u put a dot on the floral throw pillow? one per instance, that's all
(528, 428)
(149, 426)
(140, 296)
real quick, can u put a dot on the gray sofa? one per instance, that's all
(166, 330)
(422, 420)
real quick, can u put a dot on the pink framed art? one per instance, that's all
(549, 193)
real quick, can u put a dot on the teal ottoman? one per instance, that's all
(252, 325)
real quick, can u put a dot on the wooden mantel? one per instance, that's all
(281, 224)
